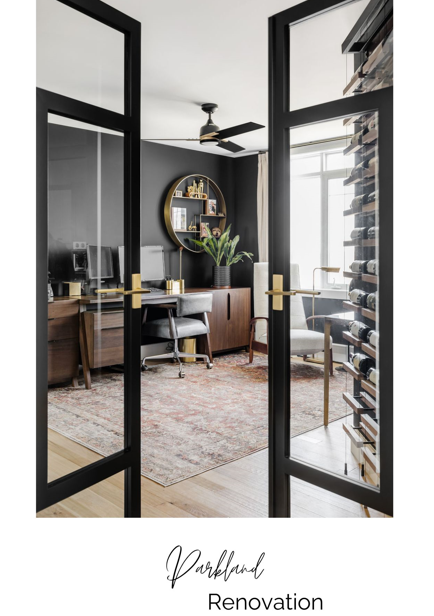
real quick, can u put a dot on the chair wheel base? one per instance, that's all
(145, 368)
(209, 365)
(181, 375)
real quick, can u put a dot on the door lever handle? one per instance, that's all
(277, 293)
(135, 291)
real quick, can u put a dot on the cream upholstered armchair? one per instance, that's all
(303, 340)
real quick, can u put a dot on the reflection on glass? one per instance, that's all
(79, 57)
(334, 226)
(85, 329)
(321, 55)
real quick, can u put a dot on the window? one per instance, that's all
(318, 199)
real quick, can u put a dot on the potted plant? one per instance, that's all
(220, 247)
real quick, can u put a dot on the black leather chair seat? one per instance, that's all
(184, 328)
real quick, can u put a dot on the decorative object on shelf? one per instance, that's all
(200, 187)
(217, 248)
(178, 193)
(211, 207)
(179, 218)
(216, 231)
(204, 228)
(194, 208)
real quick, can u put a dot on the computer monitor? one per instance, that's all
(151, 263)
(99, 262)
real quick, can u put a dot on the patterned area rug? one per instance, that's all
(192, 425)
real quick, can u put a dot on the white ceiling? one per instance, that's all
(195, 51)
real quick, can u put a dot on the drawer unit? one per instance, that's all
(104, 337)
(63, 348)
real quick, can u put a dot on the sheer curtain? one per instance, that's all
(263, 207)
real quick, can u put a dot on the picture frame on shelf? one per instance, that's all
(211, 207)
(179, 218)
(203, 228)
(178, 193)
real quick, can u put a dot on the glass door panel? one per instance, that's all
(85, 327)
(334, 248)
(325, 63)
(79, 57)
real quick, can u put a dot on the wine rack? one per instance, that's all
(373, 70)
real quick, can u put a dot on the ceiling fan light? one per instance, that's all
(208, 142)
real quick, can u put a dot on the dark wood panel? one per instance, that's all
(62, 308)
(108, 320)
(218, 321)
(62, 360)
(239, 318)
(63, 328)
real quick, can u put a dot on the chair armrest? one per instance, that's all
(306, 292)
(258, 319)
(316, 316)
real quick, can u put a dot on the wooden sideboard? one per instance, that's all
(229, 319)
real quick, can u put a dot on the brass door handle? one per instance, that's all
(277, 292)
(135, 291)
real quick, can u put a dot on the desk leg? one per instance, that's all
(327, 328)
(84, 354)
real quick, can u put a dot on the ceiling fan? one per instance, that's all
(211, 135)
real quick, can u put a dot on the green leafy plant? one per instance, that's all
(217, 248)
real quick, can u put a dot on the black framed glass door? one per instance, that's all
(331, 221)
(88, 205)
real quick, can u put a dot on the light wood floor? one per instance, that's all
(237, 489)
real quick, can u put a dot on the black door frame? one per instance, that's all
(281, 120)
(128, 459)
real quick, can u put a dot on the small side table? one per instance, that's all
(344, 318)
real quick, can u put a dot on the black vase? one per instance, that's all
(221, 276)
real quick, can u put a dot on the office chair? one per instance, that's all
(176, 327)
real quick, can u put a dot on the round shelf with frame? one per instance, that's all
(196, 208)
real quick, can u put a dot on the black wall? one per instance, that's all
(73, 212)
(161, 166)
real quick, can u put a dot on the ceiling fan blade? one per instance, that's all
(230, 146)
(236, 130)
(171, 139)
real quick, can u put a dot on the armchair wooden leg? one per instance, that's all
(331, 362)
(252, 333)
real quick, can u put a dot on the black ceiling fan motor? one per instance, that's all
(209, 127)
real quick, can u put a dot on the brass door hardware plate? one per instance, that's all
(278, 292)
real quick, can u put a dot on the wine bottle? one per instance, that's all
(371, 301)
(372, 267)
(373, 376)
(359, 233)
(359, 267)
(359, 330)
(359, 297)
(373, 338)
(362, 362)
(372, 233)
(371, 197)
